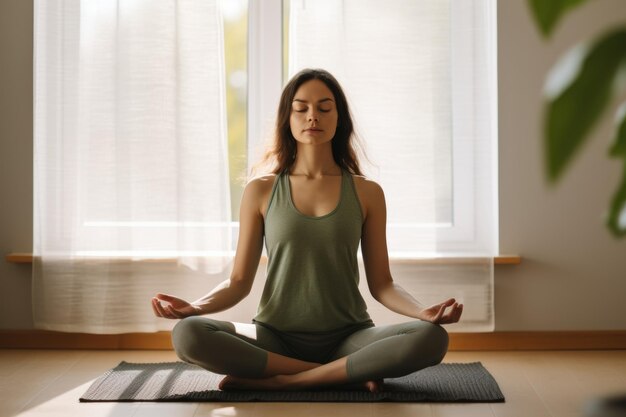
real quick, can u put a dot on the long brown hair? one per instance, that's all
(281, 154)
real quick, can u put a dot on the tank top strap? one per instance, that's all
(350, 196)
(277, 196)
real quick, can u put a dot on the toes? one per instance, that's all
(374, 386)
(225, 383)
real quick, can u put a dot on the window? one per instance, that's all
(423, 97)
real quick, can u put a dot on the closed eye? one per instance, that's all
(304, 110)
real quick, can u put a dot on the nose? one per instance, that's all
(313, 116)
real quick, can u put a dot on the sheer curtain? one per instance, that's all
(420, 77)
(131, 167)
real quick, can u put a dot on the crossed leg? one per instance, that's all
(260, 361)
(236, 349)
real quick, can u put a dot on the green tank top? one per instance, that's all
(312, 271)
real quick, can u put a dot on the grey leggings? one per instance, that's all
(373, 353)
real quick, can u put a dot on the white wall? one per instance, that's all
(573, 275)
(16, 165)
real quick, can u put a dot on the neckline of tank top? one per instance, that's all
(295, 209)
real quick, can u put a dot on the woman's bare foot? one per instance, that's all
(374, 386)
(371, 386)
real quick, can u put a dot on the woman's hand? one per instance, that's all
(174, 307)
(439, 313)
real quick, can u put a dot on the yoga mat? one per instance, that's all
(179, 381)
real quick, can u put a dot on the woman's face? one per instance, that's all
(313, 117)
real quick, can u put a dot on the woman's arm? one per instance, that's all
(376, 260)
(249, 248)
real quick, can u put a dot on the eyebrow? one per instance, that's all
(320, 101)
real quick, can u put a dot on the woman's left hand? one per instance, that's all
(447, 312)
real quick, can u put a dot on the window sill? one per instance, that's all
(27, 258)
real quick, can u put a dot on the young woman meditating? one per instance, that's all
(312, 328)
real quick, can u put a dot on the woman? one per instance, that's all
(312, 327)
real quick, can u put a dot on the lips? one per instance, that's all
(312, 129)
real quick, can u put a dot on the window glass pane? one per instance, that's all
(235, 14)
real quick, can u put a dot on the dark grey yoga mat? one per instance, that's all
(179, 381)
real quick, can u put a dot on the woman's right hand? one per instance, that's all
(439, 314)
(173, 307)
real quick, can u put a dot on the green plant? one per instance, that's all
(578, 91)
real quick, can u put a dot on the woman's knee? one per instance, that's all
(213, 345)
(429, 344)
(438, 340)
(189, 337)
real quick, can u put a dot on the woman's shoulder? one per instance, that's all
(262, 181)
(369, 192)
(258, 190)
(366, 185)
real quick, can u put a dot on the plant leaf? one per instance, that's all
(574, 110)
(548, 12)
(618, 202)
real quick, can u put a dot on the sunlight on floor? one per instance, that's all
(225, 412)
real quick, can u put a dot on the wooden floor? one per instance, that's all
(535, 384)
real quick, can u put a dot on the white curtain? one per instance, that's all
(420, 79)
(131, 169)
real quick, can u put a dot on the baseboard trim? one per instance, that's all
(43, 339)
(557, 340)
(568, 340)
